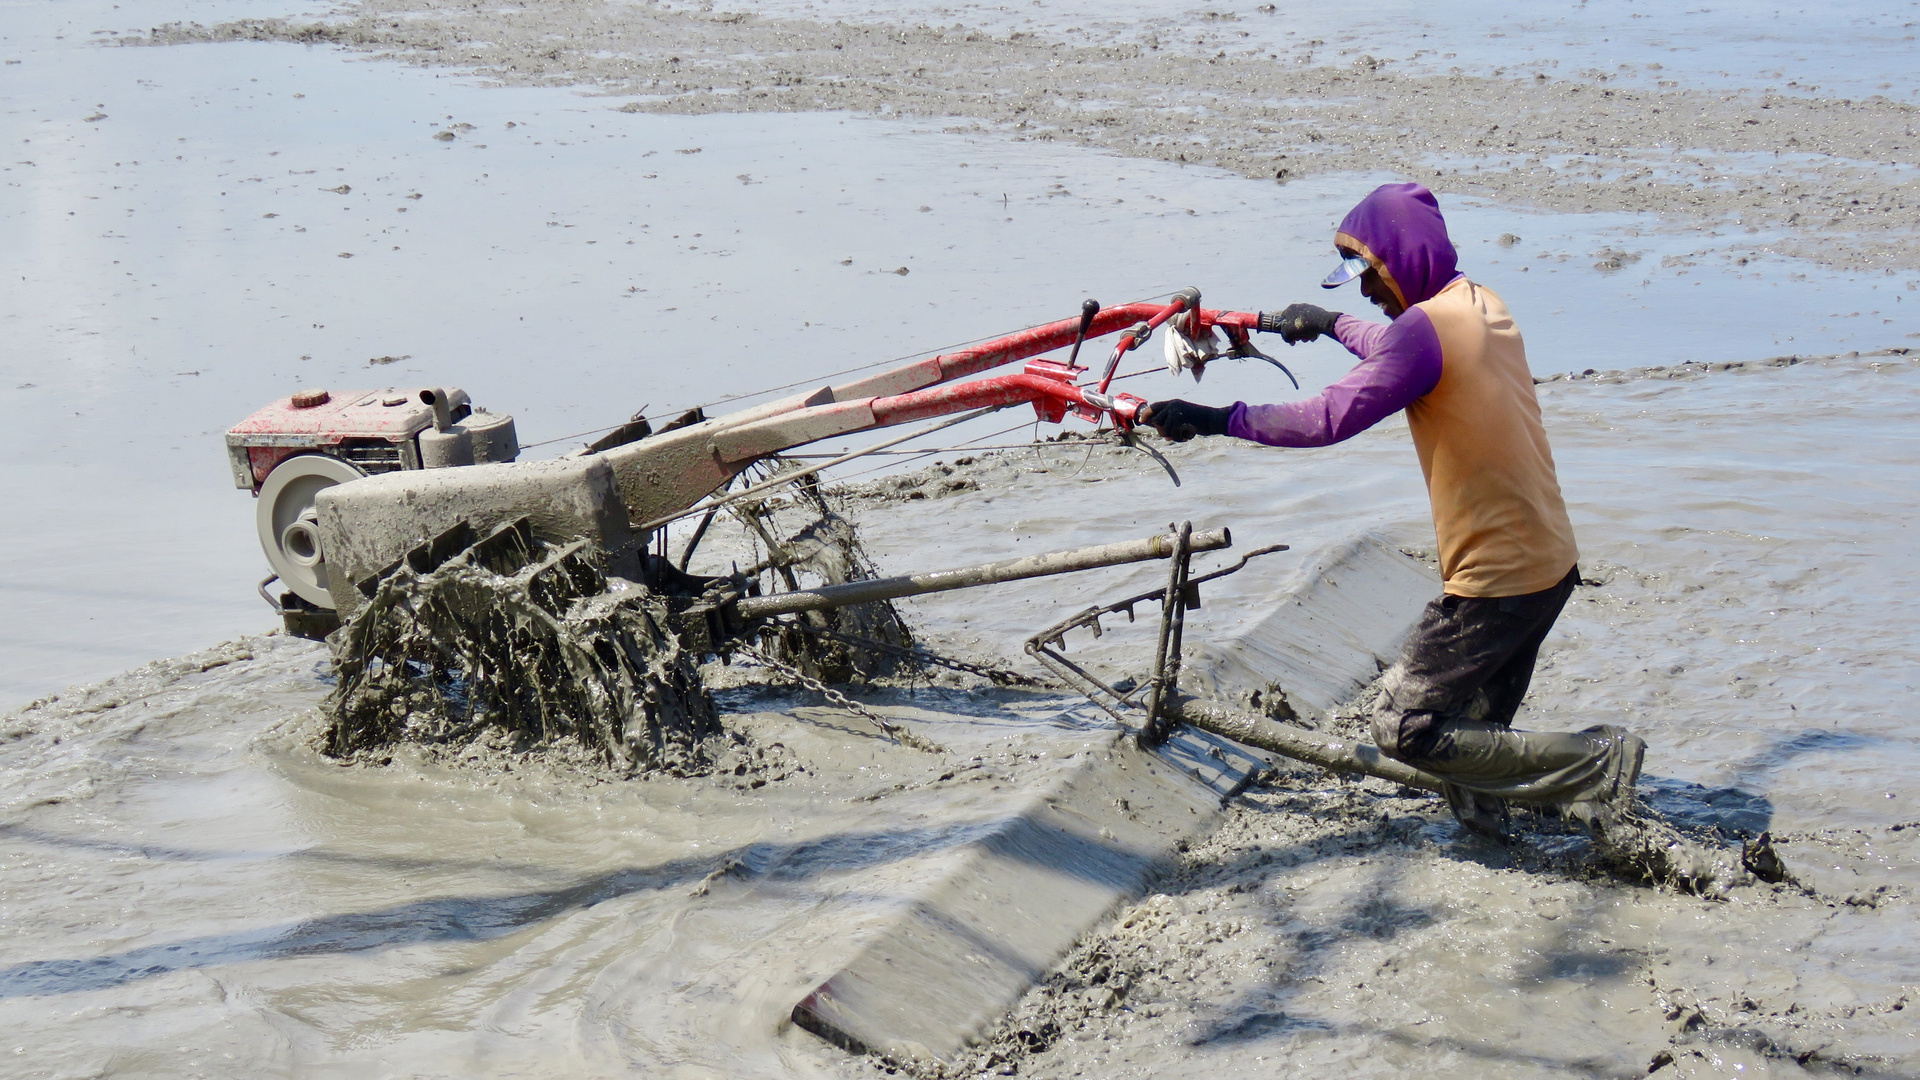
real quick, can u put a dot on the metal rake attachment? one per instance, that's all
(1049, 645)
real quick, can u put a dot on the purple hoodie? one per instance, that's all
(1398, 229)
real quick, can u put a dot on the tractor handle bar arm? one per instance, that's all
(997, 352)
(946, 367)
(1049, 386)
(1046, 386)
(665, 473)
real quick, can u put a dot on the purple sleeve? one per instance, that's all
(1359, 336)
(1399, 364)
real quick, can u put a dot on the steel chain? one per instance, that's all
(997, 675)
(893, 730)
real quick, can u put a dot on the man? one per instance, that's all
(1453, 359)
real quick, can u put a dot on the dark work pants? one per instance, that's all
(1470, 659)
(1449, 704)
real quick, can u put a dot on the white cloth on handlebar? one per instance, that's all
(1185, 353)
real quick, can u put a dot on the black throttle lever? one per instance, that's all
(1087, 311)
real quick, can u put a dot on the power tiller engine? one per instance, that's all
(290, 451)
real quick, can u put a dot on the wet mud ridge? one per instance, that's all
(1836, 184)
(50, 742)
(1699, 369)
(1328, 920)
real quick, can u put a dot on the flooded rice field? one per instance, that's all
(189, 887)
(183, 252)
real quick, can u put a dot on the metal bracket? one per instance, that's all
(1243, 346)
(1048, 646)
(267, 596)
(1173, 625)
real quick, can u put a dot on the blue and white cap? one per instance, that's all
(1351, 266)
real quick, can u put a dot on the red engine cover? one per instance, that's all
(373, 429)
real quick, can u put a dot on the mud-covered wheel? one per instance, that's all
(289, 531)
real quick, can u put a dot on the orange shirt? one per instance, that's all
(1502, 526)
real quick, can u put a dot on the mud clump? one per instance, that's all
(513, 638)
(856, 643)
(515, 646)
(1609, 259)
(1634, 842)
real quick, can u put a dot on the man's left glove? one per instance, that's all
(1182, 420)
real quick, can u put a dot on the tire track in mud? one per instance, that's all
(1827, 179)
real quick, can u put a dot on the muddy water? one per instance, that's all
(184, 253)
(190, 890)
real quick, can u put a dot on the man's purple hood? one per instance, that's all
(1398, 228)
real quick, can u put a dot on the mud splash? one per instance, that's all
(514, 638)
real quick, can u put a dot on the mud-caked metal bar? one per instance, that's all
(1030, 566)
(1166, 657)
(1338, 755)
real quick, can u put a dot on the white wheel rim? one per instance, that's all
(287, 494)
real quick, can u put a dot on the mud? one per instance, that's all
(1229, 952)
(1830, 180)
(504, 916)
(860, 642)
(1314, 931)
(1697, 369)
(533, 647)
(517, 646)
(1349, 927)
(191, 889)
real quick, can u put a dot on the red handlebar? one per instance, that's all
(924, 389)
(1049, 386)
(1052, 398)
